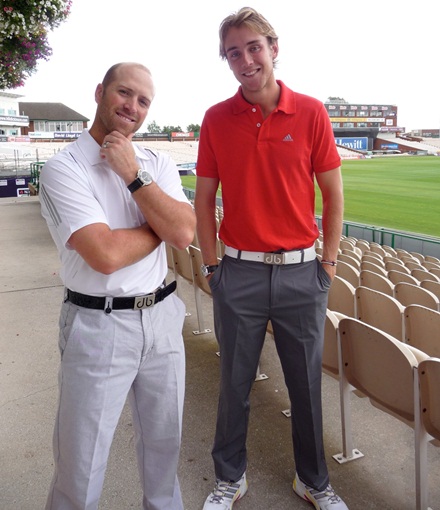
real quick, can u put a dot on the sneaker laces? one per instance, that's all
(328, 493)
(224, 490)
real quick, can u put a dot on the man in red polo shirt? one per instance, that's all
(266, 145)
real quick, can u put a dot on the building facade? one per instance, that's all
(12, 121)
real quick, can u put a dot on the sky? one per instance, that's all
(373, 52)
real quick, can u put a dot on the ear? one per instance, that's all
(98, 93)
(275, 50)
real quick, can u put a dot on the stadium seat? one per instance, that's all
(372, 254)
(430, 265)
(430, 258)
(428, 372)
(433, 287)
(384, 369)
(422, 326)
(377, 248)
(398, 276)
(373, 258)
(373, 267)
(376, 281)
(392, 265)
(341, 297)
(356, 253)
(409, 294)
(424, 274)
(183, 269)
(381, 311)
(348, 273)
(349, 259)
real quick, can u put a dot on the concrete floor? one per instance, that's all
(30, 296)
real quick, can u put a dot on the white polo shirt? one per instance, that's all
(78, 188)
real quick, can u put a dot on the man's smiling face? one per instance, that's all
(250, 58)
(124, 103)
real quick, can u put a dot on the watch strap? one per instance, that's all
(135, 185)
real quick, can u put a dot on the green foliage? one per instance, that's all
(172, 129)
(24, 25)
(193, 128)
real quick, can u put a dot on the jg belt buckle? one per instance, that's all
(141, 302)
(275, 259)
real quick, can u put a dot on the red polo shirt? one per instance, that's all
(266, 168)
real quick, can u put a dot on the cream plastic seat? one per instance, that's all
(349, 259)
(430, 258)
(422, 329)
(346, 244)
(355, 253)
(429, 378)
(330, 363)
(424, 274)
(377, 248)
(376, 281)
(409, 294)
(433, 287)
(374, 259)
(389, 251)
(430, 265)
(398, 276)
(372, 255)
(418, 256)
(348, 273)
(183, 269)
(392, 265)
(383, 369)
(363, 245)
(413, 264)
(375, 268)
(341, 297)
(428, 375)
(381, 311)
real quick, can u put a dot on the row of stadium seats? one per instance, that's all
(381, 341)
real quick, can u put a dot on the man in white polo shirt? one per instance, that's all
(110, 207)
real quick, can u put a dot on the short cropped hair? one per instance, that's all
(251, 19)
(110, 75)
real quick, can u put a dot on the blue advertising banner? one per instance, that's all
(358, 143)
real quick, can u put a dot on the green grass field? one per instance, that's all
(397, 193)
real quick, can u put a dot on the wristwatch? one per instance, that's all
(207, 270)
(143, 178)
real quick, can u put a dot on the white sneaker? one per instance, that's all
(321, 500)
(225, 494)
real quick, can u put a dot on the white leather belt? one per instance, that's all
(276, 259)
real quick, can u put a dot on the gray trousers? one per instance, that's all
(104, 359)
(294, 297)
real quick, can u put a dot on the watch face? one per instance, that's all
(145, 177)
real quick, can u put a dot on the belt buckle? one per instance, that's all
(141, 302)
(275, 259)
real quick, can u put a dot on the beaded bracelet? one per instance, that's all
(329, 262)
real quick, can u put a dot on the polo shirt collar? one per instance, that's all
(90, 149)
(286, 103)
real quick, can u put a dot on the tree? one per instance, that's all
(172, 129)
(193, 128)
(153, 127)
(24, 25)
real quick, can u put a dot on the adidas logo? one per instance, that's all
(288, 138)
